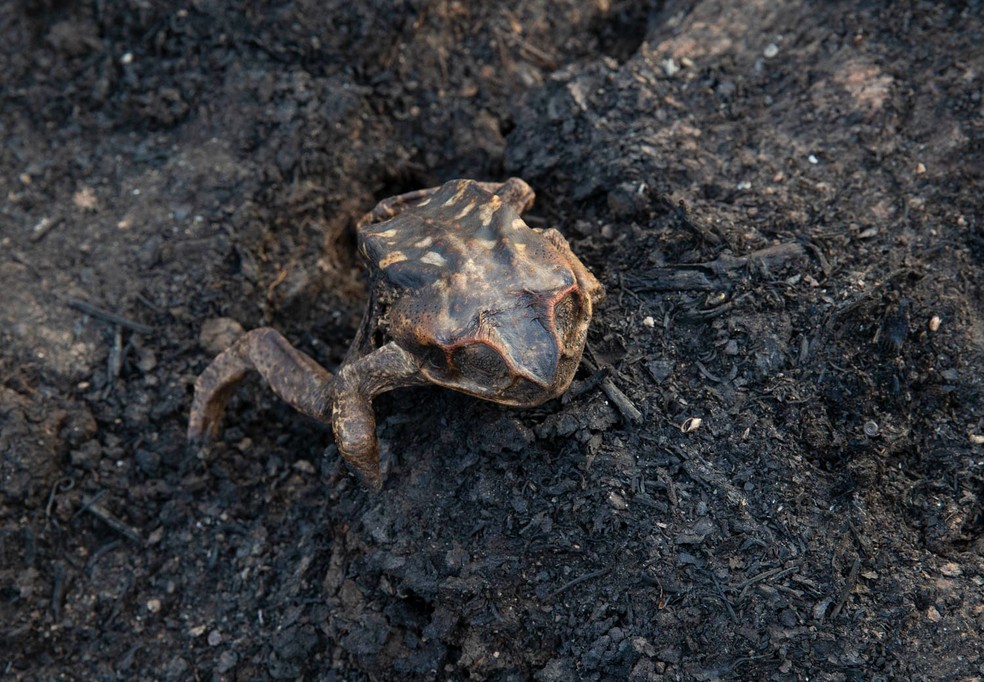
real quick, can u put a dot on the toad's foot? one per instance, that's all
(352, 416)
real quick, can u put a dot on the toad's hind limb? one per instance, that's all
(352, 417)
(292, 375)
(344, 400)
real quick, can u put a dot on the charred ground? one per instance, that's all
(784, 203)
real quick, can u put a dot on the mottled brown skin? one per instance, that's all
(463, 294)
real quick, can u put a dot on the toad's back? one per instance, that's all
(457, 254)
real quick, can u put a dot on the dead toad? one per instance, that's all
(462, 294)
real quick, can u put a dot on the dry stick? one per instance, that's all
(765, 575)
(62, 485)
(150, 304)
(91, 505)
(99, 554)
(58, 589)
(577, 581)
(588, 384)
(105, 315)
(703, 370)
(768, 258)
(622, 402)
(714, 274)
(852, 580)
(45, 226)
(625, 406)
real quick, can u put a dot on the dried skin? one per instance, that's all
(463, 295)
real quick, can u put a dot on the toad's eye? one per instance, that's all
(566, 312)
(480, 362)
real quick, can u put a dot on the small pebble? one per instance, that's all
(218, 333)
(154, 605)
(147, 360)
(148, 461)
(617, 501)
(87, 455)
(716, 299)
(951, 570)
(770, 51)
(214, 638)
(227, 661)
(304, 466)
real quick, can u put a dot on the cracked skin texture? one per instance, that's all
(463, 294)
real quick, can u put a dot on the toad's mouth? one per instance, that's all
(519, 392)
(478, 369)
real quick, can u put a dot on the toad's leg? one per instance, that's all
(387, 208)
(345, 400)
(292, 375)
(513, 191)
(352, 416)
(585, 280)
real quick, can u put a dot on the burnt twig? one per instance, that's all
(59, 587)
(106, 316)
(62, 485)
(852, 580)
(622, 402)
(715, 274)
(577, 581)
(100, 553)
(765, 575)
(91, 505)
(584, 386)
(625, 406)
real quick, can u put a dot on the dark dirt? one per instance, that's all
(175, 166)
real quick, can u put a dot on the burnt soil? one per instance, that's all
(185, 166)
